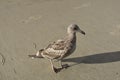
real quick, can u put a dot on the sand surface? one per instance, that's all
(25, 22)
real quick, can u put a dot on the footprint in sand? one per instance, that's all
(116, 31)
(2, 59)
(82, 6)
(31, 19)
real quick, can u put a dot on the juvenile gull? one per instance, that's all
(60, 48)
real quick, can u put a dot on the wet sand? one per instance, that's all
(25, 22)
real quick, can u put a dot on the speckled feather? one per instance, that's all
(60, 48)
(63, 47)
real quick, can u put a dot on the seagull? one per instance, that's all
(61, 48)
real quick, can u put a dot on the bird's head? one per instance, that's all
(73, 28)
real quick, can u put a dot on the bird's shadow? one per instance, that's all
(96, 58)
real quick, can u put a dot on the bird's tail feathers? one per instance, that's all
(38, 54)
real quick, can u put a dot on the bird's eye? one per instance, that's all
(75, 28)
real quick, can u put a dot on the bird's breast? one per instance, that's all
(71, 50)
(73, 47)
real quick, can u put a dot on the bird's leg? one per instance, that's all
(64, 66)
(61, 63)
(53, 68)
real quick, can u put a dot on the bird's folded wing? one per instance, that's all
(57, 45)
(55, 49)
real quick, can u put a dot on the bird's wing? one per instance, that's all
(55, 49)
(57, 45)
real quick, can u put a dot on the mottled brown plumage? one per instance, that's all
(61, 48)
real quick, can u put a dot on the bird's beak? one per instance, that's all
(82, 32)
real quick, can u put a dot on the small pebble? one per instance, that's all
(32, 57)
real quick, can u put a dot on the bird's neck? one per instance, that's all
(72, 37)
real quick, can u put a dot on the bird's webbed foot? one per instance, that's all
(65, 66)
(56, 70)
